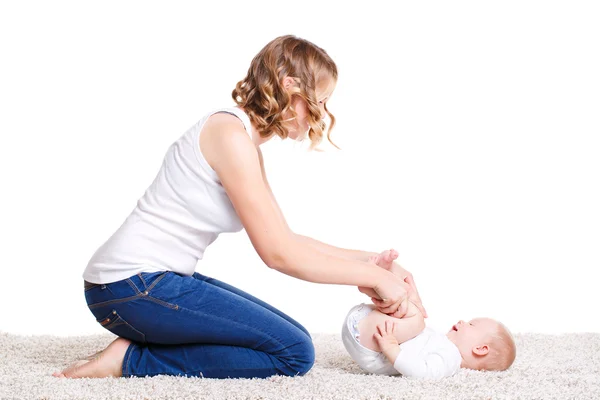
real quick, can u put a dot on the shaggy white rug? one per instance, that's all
(547, 367)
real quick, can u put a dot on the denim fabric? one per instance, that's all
(198, 326)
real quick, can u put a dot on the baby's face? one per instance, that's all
(466, 335)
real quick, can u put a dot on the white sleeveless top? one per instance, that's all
(180, 214)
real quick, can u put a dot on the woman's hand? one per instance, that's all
(386, 261)
(391, 296)
(367, 290)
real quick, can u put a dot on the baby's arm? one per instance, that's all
(411, 360)
(405, 328)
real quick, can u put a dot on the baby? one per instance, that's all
(386, 345)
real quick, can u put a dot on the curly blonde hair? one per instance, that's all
(262, 95)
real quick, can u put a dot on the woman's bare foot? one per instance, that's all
(105, 363)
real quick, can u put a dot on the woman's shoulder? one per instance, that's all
(224, 131)
(225, 120)
(228, 118)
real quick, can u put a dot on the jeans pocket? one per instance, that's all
(117, 325)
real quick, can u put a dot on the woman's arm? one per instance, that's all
(308, 263)
(357, 255)
(230, 152)
(349, 254)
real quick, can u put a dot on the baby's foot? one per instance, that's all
(107, 362)
(386, 258)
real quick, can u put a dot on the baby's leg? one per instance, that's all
(406, 328)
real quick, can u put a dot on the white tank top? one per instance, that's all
(180, 214)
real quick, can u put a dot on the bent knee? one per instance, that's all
(301, 358)
(307, 357)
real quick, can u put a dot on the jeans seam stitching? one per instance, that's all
(156, 281)
(116, 301)
(130, 282)
(162, 303)
(123, 322)
(143, 281)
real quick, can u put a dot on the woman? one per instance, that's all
(141, 285)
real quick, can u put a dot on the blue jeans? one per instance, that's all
(199, 326)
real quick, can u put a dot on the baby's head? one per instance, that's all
(484, 344)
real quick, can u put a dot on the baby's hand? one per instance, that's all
(385, 338)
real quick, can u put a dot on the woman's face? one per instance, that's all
(301, 127)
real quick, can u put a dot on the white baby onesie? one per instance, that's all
(428, 355)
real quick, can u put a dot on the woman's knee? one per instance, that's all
(301, 358)
(308, 358)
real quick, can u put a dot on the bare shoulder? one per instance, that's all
(220, 131)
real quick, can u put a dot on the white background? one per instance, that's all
(470, 137)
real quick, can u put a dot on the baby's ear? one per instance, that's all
(481, 350)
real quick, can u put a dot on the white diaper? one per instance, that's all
(367, 359)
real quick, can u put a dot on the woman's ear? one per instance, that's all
(288, 82)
